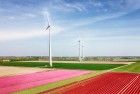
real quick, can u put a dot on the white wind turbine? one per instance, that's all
(81, 50)
(50, 49)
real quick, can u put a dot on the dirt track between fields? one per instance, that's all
(7, 71)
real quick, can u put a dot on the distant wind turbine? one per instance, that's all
(79, 50)
(50, 49)
(82, 50)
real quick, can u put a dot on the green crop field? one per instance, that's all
(86, 66)
(135, 67)
(64, 65)
(23, 64)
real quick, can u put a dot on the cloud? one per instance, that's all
(133, 4)
(98, 18)
(24, 33)
(90, 20)
(63, 6)
(77, 6)
(17, 35)
(128, 7)
(10, 36)
(29, 15)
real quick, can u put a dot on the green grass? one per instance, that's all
(135, 67)
(84, 66)
(23, 64)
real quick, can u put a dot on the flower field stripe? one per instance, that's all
(7, 81)
(134, 88)
(49, 86)
(128, 85)
(17, 83)
(107, 83)
(115, 86)
(101, 78)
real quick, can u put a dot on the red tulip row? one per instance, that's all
(108, 83)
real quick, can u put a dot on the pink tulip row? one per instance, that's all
(20, 82)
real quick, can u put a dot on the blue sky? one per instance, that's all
(106, 27)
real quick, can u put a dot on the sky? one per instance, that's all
(105, 27)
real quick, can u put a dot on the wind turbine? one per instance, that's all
(79, 50)
(82, 50)
(50, 49)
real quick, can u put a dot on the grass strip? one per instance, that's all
(134, 67)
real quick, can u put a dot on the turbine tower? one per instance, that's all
(82, 50)
(50, 50)
(79, 50)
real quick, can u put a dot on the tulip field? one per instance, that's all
(10, 84)
(122, 80)
(107, 83)
(71, 78)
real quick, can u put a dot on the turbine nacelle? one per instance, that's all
(48, 27)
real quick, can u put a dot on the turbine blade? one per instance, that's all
(48, 20)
